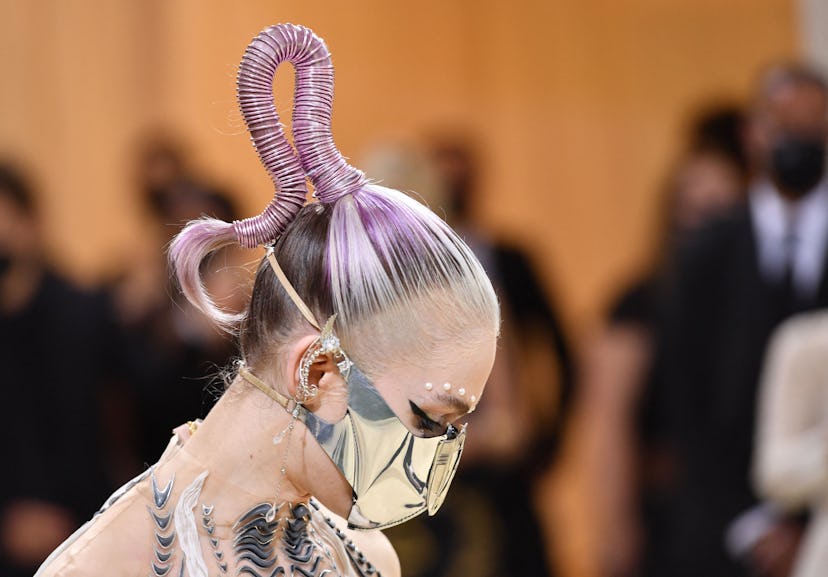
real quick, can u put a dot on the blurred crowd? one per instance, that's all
(700, 400)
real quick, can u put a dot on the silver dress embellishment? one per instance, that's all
(253, 543)
(164, 533)
(208, 525)
(359, 563)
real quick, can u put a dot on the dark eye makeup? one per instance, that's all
(425, 423)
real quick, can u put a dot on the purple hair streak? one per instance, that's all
(312, 114)
(331, 175)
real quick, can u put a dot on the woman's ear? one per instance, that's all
(297, 350)
(331, 399)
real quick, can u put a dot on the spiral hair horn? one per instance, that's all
(331, 175)
(257, 70)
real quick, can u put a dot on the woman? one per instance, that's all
(371, 329)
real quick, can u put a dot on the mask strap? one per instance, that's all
(294, 296)
(262, 386)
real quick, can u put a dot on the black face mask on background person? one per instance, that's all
(797, 164)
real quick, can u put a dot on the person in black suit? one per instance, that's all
(59, 350)
(734, 282)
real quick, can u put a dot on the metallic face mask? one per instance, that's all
(395, 475)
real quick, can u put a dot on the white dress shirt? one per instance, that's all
(797, 227)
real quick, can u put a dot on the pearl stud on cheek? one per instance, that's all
(446, 386)
(461, 391)
(428, 386)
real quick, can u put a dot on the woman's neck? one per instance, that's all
(235, 444)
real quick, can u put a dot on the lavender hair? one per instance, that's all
(373, 255)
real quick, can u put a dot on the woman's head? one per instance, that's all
(409, 302)
(409, 295)
(414, 309)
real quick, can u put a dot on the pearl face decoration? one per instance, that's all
(461, 391)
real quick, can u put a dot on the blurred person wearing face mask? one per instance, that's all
(627, 466)
(735, 281)
(57, 349)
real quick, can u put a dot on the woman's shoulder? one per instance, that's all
(108, 544)
(378, 550)
(373, 544)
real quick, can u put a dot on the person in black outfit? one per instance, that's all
(627, 467)
(175, 358)
(734, 282)
(58, 349)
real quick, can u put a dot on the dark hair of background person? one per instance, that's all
(779, 75)
(16, 186)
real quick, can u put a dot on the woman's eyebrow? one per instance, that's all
(454, 402)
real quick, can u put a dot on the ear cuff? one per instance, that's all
(327, 343)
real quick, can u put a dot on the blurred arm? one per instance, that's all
(792, 450)
(612, 379)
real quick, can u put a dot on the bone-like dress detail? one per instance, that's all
(135, 533)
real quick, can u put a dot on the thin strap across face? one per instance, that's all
(294, 296)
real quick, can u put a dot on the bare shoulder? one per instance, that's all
(111, 544)
(374, 544)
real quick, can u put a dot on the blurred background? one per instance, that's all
(560, 135)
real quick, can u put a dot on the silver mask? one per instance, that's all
(395, 475)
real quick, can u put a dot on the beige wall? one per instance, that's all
(577, 103)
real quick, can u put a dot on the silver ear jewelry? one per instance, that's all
(446, 386)
(461, 391)
(326, 344)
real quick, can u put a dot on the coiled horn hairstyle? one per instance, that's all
(313, 100)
